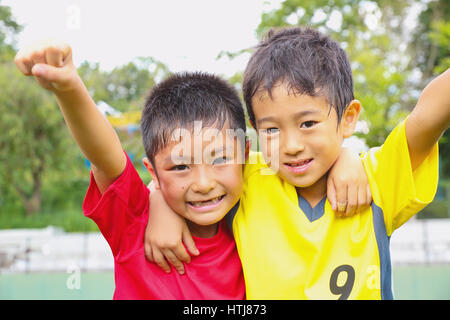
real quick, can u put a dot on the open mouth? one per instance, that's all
(207, 203)
(299, 167)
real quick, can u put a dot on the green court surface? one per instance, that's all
(59, 286)
(410, 282)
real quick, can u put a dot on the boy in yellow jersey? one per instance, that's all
(298, 89)
(299, 92)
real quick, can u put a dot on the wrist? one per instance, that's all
(73, 87)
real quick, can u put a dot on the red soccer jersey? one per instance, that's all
(121, 214)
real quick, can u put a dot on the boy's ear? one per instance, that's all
(350, 118)
(152, 171)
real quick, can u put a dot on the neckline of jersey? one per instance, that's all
(312, 213)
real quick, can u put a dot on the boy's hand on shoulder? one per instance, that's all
(348, 188)
(50, 62)
(166, 234)
(164, 249)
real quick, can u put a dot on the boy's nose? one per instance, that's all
(204, 182)
(293, 144)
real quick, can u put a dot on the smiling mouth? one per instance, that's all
(299, 167)
(210, 202)
(298, 163)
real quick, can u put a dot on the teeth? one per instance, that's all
(297, 164)
(205, 203)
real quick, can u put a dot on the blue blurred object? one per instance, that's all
(131, 128)
(87, 163)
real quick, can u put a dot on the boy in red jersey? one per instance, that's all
(201, 191)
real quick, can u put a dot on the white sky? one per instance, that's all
(185, 35)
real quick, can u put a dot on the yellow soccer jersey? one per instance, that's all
(292, 251)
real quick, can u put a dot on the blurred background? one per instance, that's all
(49, 250)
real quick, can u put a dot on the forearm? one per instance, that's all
(91, 130)
(429, 119)
(159, 206)
(432, 112)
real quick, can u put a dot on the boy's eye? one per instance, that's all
(179, 167)
(271, 130)
(220, 160)
(308, 124)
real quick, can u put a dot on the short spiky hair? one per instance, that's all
(186, 97)
(306, 60)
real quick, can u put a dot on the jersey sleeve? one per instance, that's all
(121, 213)
(396, 189)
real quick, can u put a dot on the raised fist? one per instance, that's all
(50, 62)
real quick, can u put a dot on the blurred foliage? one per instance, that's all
(8, 28)
(440, 207)
(430, 44)
(125, 87)
(34, 138)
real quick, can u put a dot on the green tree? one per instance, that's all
(33, 139)
(8, 29)
(126, 86)
(430, 45)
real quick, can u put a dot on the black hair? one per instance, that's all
(183, 98)
(307, 61)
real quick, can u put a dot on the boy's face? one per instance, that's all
(201, 176)
(303, 132)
